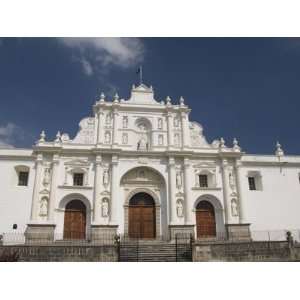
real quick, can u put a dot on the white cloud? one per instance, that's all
(87, 67)
(9, 134)
(94, 53)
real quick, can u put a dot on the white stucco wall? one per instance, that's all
(15, 201)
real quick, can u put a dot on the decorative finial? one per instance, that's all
(236, 146)
(181, 101)
(58, 137)
(42, 136)
(222, 143)
(116, 98)
(279, 151)
(102, 97)
(168, 100)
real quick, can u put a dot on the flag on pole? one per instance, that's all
(139, 71)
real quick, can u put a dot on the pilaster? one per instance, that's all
(114, 189)
(115, 126)
(187, 191)
(52, 199)
(239, 190)
(172, 190)
(37, 182)
(225, 179)
(100, 126)
(170, 128)
(185, 130)
(97, 180)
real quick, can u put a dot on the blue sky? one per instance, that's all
(247, 88)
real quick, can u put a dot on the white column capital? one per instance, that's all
(98, 159)
(238, 163)
(224, 163)
(114, 160)
(55, 159)
(39, 158)
(186, 162)
(171, 162)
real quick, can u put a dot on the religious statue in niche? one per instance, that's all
(46, 179)
(142, 127)
(176, 139)
(44, 207)
(107, 137)
(159, 123)
(125, 122)
(178, 180)
(105, 178)
(125, 138)
(176, 122)
(234, 208)
(108, 119)
(105, 208)
(231, 180)
(179, 209)
(141, 174)
(143, 144)
(160, 140)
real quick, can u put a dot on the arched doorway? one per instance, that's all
(205, 220)
(75, 220)
(142, 216)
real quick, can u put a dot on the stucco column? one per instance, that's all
(36, 187)
(97, 189)
(52, 199)
(225, 179)
(188, 177)
(172, 190)
(170, 128)
(114, 189)
(185, 131)
(100, 126)
(115, 126)
(239, 190)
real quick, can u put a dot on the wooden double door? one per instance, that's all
(205, 220)
(75, 220)
(141, 217)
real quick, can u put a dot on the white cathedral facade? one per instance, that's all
(142, 168)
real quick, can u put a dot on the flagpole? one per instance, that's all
(141, 74)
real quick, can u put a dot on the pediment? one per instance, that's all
(44, 192)
(77, 162)
(142, 95)
(141, 175)
(205, 165)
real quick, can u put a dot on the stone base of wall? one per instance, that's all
(242, 251)
(238, 232)
(103, 253)
(182, 230)
(36, 234)
(103, 233)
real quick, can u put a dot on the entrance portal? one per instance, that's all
(142, 216)
(205, 220)
(75, 220)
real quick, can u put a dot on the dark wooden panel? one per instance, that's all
(142, 221)
(206, 223)
(75, 220)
